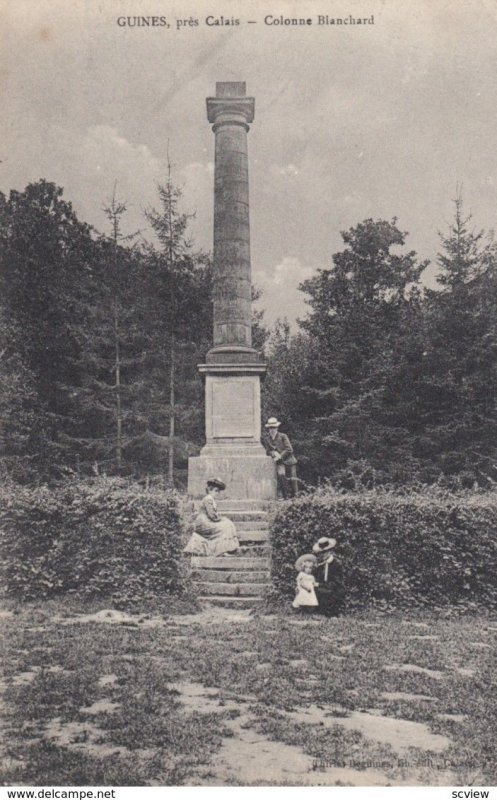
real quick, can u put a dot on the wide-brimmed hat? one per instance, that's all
(272, 423)
(217, 482)
(302, 559)
(323, 544)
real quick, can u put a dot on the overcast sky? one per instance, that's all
(351, 122)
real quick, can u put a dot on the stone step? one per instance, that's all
(225, 576)
(246, 523)
(243, 505)
(246, 516)
(230, 562)
(255, 550)
(228, 601)
(253, 536)
(233, 589)
(251, 525)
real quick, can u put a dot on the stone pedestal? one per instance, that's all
(247, 476)
(233, 451)
(233, 368)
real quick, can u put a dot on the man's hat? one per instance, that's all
(302, 559)
(217, 482)
(323, 544)
(272, 423)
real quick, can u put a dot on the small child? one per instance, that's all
(306, 596)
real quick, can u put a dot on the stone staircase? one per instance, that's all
(239, 580)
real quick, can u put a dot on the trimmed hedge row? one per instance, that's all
(397, 550)
(104, 538)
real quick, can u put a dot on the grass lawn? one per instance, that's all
(95, 696)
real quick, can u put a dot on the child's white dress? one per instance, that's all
(306, 596)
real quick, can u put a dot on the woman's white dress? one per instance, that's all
(306, 596)
(213, 534)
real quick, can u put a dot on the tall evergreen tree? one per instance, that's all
(182, 310)
(112, 330)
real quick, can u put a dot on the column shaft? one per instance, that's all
(232, 274)
(231, 112)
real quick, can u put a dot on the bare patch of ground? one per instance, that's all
(407, 696)
(225, 698)
(430, 673)
(248, 756)
(400, 734)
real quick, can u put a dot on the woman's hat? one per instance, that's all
(272, 423)
(302, 559)
(323, 544)
(217, 482)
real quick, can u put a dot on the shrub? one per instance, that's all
(396, 550)
(104, 538)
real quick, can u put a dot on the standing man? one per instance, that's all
(278, 446)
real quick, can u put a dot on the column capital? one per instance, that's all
(230, 106)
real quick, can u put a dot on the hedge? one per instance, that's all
(423, 548)
(103, 538)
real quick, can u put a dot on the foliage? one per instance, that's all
(102, 538)
(23, 419)
(181, 300)
(339, 365)
(89, 325)
(46, 260)
(417, 548)
(455, 391)
(388, 382)
(111, 328)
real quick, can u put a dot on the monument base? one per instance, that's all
(233, 451)
(248, 476)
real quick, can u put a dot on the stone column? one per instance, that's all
(233, 368)
(230, 112)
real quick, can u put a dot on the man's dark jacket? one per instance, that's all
(330, 592)
(280, 443)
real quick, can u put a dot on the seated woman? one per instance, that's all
(213, 535)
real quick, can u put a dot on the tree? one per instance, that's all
(112, 329)
(260, 333)
(100, 340)
(23, 441)
(182, 308)
(114, 211)
(46, 263)
(360, 309)
(460, 365)
(461, 259)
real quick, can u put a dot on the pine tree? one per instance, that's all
(183, 314)
(113, 334)
(461, 356)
